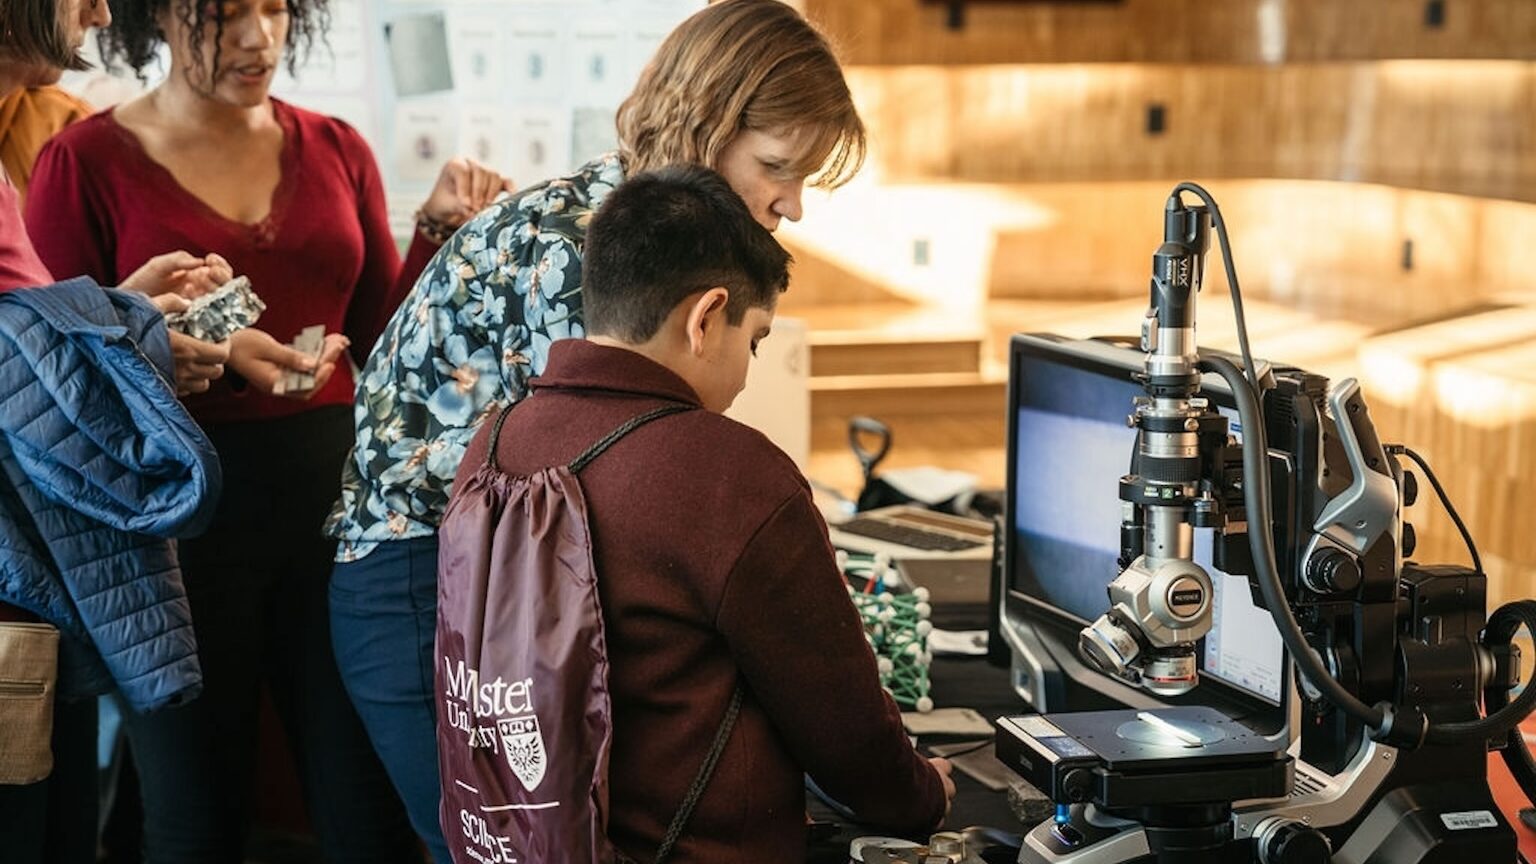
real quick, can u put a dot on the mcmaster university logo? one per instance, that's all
(524, 746)
(510, 704)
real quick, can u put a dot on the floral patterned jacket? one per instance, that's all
(476, 326)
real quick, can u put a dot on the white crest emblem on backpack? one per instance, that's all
(524, 746)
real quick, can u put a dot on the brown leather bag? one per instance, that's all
(29, 662)
(525, 721)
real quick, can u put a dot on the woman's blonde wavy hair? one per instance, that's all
(739, 65)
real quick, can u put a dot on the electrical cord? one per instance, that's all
(1501, 630)
(1231, 270)
(1383, 717)
(1261, 544)
(1445, 500)
(1516, 753)
(1517, 757)
(1379, 718)
(842, 810)
(1246, 389)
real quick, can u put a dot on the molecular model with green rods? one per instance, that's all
(896, 626)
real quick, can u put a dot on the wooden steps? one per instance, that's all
(851, 354)
(905, 361)
(919, 369)
(912, 394)
(938, 377)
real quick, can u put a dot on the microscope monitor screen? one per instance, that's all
(1068, 447)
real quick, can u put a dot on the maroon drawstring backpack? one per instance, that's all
(524, 716)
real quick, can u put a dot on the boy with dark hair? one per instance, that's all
(668, 242)
(712, 564)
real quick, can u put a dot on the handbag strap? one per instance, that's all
(490, 452)
(732, 711)
(701, 780)
(596, 449)
(629, 426)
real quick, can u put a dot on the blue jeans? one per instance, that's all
(383, 618)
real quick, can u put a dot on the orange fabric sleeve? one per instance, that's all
(28, 118)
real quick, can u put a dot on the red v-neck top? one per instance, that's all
(100, 206)
(19, 264)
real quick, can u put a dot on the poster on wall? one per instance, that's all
(423, 139)
(536, 50)
(418, 54)
(478, 55)
(597, 63)
(529, 87)
(539, 145)
(485, 134)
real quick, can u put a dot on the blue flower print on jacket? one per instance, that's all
(476, 326)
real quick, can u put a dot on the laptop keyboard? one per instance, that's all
(912, 538)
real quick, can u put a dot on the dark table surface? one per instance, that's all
(954, 682)
(970, 682)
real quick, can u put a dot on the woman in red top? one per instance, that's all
(208, 161)
(54, 820)
(42, 38)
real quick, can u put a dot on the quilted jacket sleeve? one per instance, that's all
(105, 464)
(96, 424)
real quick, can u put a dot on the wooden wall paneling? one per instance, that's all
(1098, 245)
(1327, 247)
(1443, 231)
(1451, 127)
(1312, 128)
(1463, 393)
(887, 32)
(1461, 127)
(816, 279)
(909, 115)
(1339, 248)
(1504, 255)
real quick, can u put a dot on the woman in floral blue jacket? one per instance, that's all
(746, 87)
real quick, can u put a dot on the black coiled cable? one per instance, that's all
(1262, 546)
(1501, 630)
(1504, 716)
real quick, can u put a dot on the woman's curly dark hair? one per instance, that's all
(135, 35)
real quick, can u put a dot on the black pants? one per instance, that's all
(54, 821)
(257, 586)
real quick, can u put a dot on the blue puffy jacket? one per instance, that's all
(99, 466)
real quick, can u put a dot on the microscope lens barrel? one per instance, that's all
(1169, 536)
